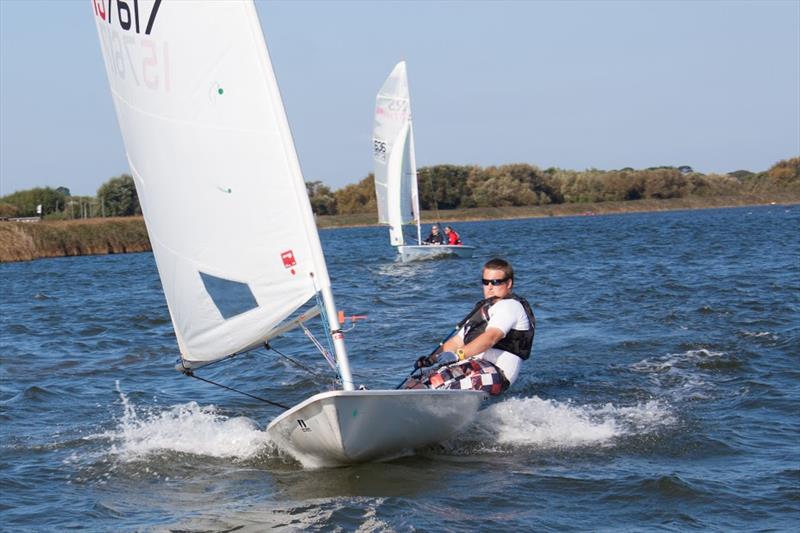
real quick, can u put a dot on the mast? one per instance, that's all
(338, 338)
(412, 163)
(413, 170)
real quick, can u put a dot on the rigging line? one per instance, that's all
(325, 353)
(324, 314)
(326, 323)
(276, 404)
(295, 362)
(326, 328)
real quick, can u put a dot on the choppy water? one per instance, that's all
(662, 394)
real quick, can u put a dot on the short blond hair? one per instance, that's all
(500, 264)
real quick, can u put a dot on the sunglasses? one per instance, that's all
(493, 282)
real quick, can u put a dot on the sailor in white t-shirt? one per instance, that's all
(504, 316)
(493, 340)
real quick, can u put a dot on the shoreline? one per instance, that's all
(477, 214)
(26, 241)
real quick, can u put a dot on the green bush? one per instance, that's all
(118, 197)
(26, 201)
(323, 201)
(357, 198)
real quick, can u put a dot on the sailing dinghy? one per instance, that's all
(230, 223)
(396, 170)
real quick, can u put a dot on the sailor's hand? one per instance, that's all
(422, 362)
(445, 358)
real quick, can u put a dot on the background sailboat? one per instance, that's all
(231, 226)
(396, 186)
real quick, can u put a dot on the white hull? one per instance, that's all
(345, 427)
(431, 251)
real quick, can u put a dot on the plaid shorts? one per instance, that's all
(475, 374)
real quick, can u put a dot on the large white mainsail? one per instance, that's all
(393, 152)
(216, 171)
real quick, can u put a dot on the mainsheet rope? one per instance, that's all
(276, 404)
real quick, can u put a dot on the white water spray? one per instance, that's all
(551, 424)
(186, 428)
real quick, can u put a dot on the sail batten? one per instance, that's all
(217, 175)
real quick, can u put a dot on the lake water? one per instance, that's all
(663, 393)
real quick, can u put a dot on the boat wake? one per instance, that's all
(690, 375)
(537, 423)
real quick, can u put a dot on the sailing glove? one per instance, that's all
(441, 359)
(423, 361)
(445, 358)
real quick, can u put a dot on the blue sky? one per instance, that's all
(714, 85)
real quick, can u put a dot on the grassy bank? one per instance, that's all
(25, 241)
(22, 241)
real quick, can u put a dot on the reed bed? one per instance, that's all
(23, 241)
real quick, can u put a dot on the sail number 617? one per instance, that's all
(127, 14)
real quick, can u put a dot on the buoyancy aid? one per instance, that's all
(435, 239)
(454, 238)
(516, 341)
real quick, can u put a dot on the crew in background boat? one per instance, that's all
(491, 342)
(451, 236)
(435, 237)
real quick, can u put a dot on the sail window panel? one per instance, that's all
(231, 297)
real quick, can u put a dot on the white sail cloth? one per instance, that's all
(393, 153)
(215, 169)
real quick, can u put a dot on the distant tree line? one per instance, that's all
(452, 187)
(459, 186)
(116, 197)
